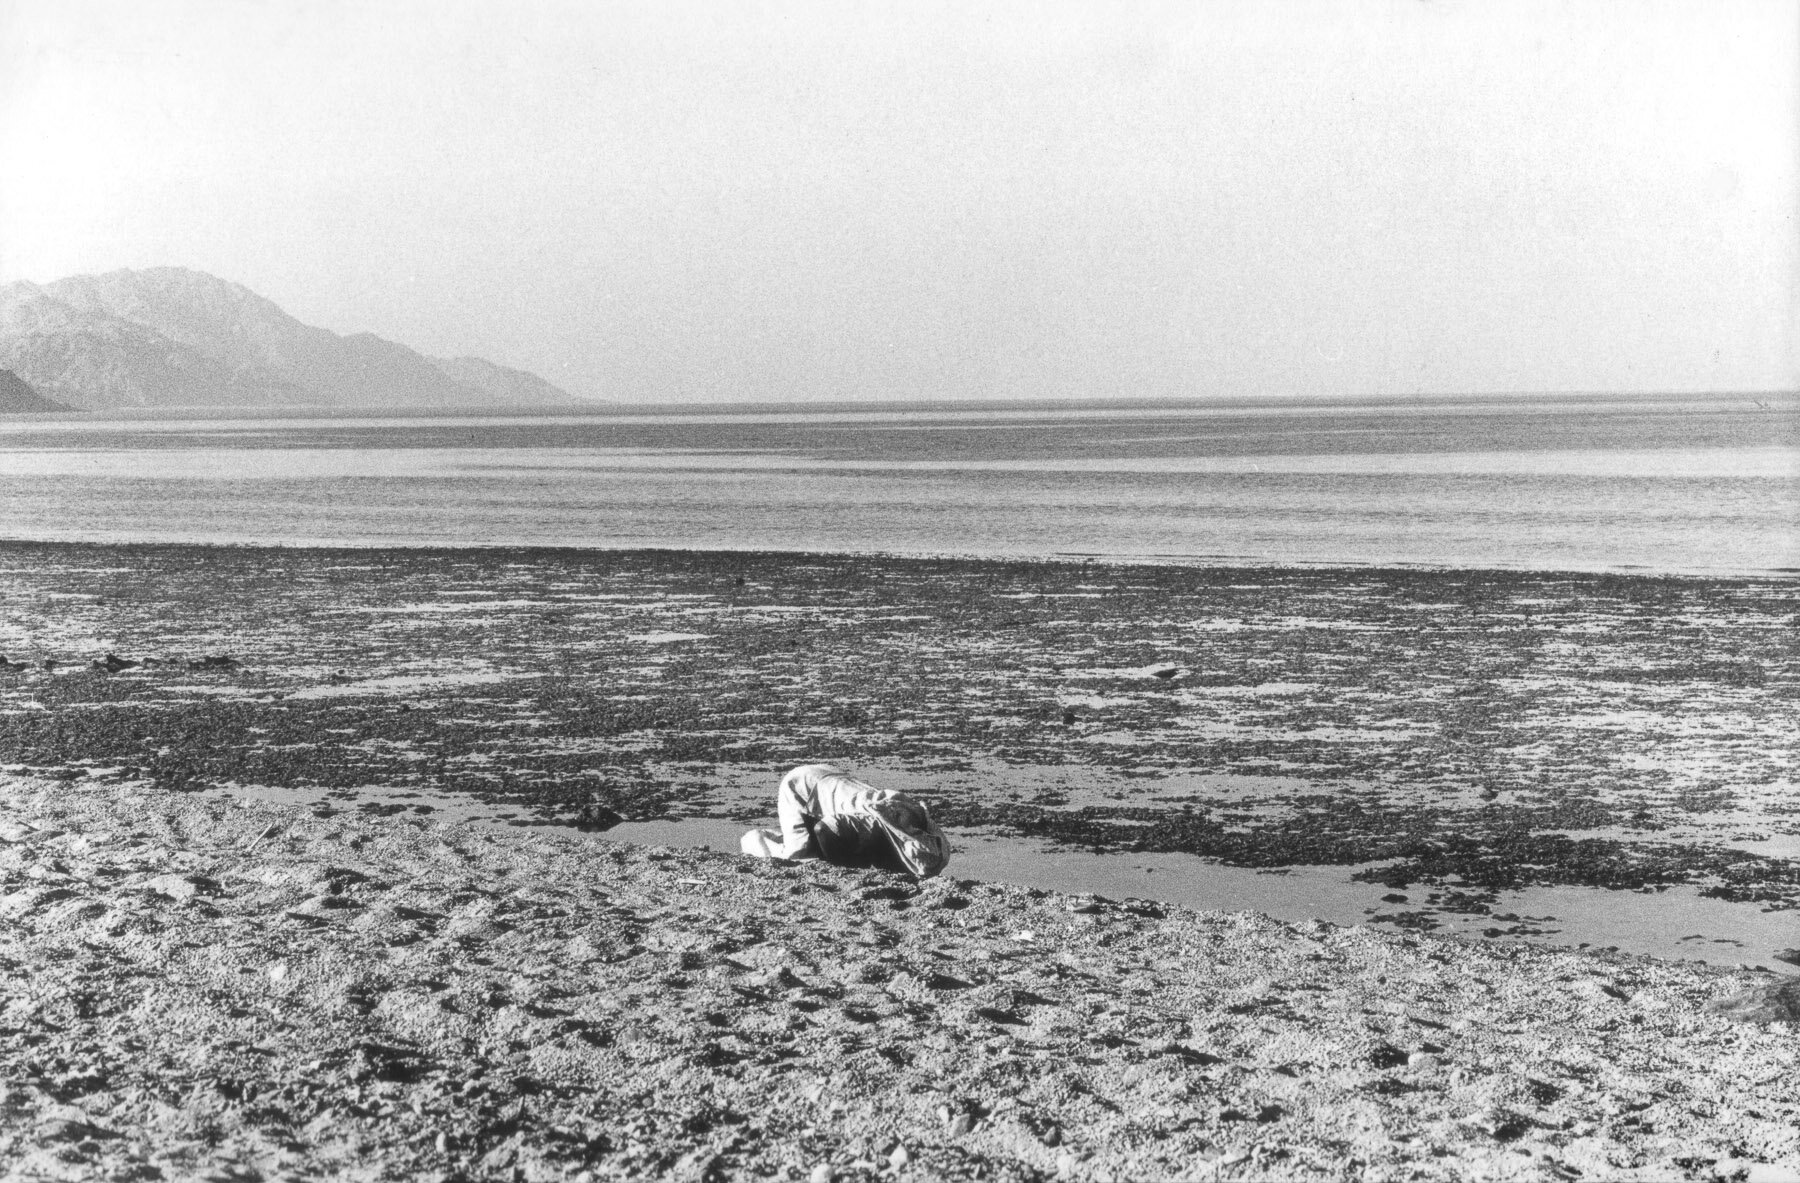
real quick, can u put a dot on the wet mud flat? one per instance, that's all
(1451, 734)
(197, 987)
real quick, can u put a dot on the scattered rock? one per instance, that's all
(594, 818)
(1502, 1125)
(1595, 990)
(65, 1130)
(1191, 1053)
(184, 887)
(1386, 1055)
(1776, 1001)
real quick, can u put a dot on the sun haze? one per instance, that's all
(674, 201)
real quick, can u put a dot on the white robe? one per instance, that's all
(826, 813)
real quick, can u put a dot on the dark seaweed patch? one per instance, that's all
(1463, 728)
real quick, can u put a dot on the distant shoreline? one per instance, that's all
(1690, 488)
(1213, 563)
(1771, 399)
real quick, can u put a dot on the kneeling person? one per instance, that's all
(825, 813)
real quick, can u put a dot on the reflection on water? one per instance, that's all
(1701, 486)
(1677, 924)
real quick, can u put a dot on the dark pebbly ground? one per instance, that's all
(196, 988)
(1464, 732)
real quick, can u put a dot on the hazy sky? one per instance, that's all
(671, 200)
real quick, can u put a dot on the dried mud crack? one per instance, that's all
(197, 988)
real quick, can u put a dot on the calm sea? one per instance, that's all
(1664, 484)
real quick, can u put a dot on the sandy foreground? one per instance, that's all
(201, 986)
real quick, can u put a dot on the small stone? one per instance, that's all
(1052, 1135)
(959, 1125)
(1424, 1062)
(278, 972)
(69, 1130)
(1597, 991)
(1499, 1123)
(1066, 1165)
(326, 902)
(499, 1158)
(442, 1143)
(183, 887)
(1776, 1001)
(899, 1157)
(823, 1173)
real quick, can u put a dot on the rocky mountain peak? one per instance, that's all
(172, 336)
(17, 396)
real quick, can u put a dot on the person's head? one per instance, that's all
(918, 844)
(907, 814)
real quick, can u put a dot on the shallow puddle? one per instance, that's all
(1677, 924)
(1477, 727)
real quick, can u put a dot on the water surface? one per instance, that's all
(1681, 485)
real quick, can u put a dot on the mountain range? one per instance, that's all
(17, 397)
(171, 337)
